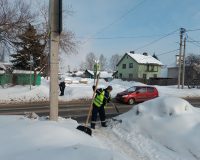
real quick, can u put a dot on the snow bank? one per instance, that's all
(163, 128)
(77, 88)
(20, 94)
(39, 139)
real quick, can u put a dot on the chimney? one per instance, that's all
(132, 52)
(145, 54)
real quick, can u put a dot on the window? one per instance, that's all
(142, 90)
(124, 66)
(156, 68)
(120, 75)
(130, 76)
(155, 75)
(144, 76)
(130, 65)
(150, 89)
(151, 68)
(132, 89)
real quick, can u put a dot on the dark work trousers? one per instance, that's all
(102, 116)
(62, 88)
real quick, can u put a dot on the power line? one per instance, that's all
(121, 17)
(154, 41)
(121, 37)
(193, 42)
(116, 20)
(192, 30)
(167, 52)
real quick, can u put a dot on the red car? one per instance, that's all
(137, 94)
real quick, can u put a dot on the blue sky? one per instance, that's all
(152, 18)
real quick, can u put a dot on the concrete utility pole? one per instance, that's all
(55, 19)
(183, 74)
(182, 31)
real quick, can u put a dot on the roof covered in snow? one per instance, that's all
(23, 72)
(78, 73)
(2, 71)
(2, 66)
(143, 59)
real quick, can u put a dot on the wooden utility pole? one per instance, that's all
(182, 31)
(55, 19)
(183, 74)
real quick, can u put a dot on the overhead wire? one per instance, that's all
(116, 20)
(121, 17)
(122, 37)
(154, 41)
(167, 52)
(192, 30)
(196, 44)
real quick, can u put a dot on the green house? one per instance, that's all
(134, 66)
(21, 77)
(5, 78)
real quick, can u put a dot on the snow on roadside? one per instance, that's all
(32, 139)
(163, 128)
(74, 91)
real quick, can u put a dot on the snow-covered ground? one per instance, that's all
(165, 128)
(76, 90)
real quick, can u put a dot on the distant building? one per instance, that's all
(134, 66)
(173, 70)
(103, 75)
(191, 71)
(77, 74)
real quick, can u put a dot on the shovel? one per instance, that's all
(84, 128)
(117, 110)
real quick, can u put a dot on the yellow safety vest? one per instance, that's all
(98, 101)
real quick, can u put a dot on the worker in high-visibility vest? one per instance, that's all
(101, 99)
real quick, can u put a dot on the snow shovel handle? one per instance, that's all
(115, 107)
(93, 96)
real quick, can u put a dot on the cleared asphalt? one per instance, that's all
(77, 110)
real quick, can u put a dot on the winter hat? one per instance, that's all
(109, 88)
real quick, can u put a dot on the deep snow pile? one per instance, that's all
(164, 128)
(25, 139)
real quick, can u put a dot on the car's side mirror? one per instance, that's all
(137, 92)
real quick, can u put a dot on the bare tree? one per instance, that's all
(192, 59)
(68, 44)
(102, 62)
(90, 60)
(83, 66)
(14, 18)
(192, 66)
(114, 60)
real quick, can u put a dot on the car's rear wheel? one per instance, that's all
(131, 101)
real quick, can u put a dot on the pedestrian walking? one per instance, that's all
(101, 99)
(62, 87)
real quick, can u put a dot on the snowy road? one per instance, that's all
(75, 110)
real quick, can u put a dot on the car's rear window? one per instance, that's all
(142, 89)
(150, 89)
